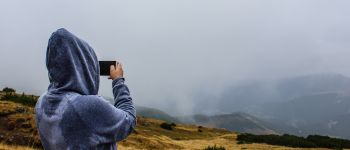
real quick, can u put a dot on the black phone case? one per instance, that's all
(105, 66)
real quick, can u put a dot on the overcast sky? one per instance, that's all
(171, 48)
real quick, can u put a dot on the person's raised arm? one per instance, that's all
(121, 93)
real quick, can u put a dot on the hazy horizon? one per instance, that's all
(175, 50)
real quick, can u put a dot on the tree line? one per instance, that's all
(311, 141)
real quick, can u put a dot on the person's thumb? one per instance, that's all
(112, 68)
(119, 66)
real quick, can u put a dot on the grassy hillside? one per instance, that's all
(149, 135)
(240, 122)
(17, 127)
(14, 147)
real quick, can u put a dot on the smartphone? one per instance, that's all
(105, 66)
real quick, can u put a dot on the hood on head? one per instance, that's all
(72, 65)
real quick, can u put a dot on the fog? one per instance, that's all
(175, 52)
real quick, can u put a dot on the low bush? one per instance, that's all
(328, 142)
(166, 126)
(23, 99)
(8, 90)
(312, 141)
(214, 148)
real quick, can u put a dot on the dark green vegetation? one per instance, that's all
(8, 90)
(9, 94)
(167, 126)
(325, 141)
(214, 148)
(312, 141)
(200, 129)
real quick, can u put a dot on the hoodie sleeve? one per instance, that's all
(124, 103)
(122, 98)
(106, 122)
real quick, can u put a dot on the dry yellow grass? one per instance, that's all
(153, 137)
(17, 125)
(11, 147)
(165, 143)
(7, 107)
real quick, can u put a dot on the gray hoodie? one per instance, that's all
(70, 114)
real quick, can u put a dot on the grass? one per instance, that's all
(17, 125)
(149, 135)
(14, 147)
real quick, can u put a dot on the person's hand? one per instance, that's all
(116, 71)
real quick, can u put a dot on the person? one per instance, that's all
(70, 114)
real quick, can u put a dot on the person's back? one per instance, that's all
(70, 114)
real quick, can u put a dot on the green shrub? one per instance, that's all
(312, 141)
(328, 142)
(284, 140)
(8, 90)
(214, 148)
(166, 126)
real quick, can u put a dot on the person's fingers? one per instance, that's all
(119, 66)
(111, 68)
(115, 71)
(116, 64)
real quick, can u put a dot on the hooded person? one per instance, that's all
(70, 114)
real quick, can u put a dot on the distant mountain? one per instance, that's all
(237, 98)
(338, 126)
(327, 113)
(301, 105)
(312, 84)
(240, 122)
(310, 108)
(155, 113)
(316, 104)
(246, 96)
